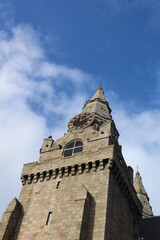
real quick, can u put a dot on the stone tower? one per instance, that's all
(81, 187)
(142, 195)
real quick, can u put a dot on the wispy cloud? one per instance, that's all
(6, 13)
(123, 5)
(127, 7)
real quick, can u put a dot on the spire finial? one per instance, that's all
(137, 173)
(100, 83)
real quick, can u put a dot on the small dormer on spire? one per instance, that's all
(142, 195)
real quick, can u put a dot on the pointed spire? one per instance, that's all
(142, 195)
(98, 104)
(99, 94)
(138, 184)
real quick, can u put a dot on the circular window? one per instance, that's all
(73, 147)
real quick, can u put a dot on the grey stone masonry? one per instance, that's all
(83, 191)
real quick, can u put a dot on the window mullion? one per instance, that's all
(74, 145)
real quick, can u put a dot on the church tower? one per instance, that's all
(81, 187)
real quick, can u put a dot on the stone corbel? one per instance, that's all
(60, 172)
(48, 175)
(87, 167)
(29, 180)
(66, 172)
(54, 174)
(101, 165)
(80, 169)
(94, 166)
(41, 177)
(35, 178)
(111, 163)
(73, 171)
(23, 179)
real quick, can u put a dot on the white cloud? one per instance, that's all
(32, 91)
(21, 134)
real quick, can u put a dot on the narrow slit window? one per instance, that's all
(58, 183)
(49, 218)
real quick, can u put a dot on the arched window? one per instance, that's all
(73, 147)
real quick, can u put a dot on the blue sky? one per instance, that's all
(114, 40)
(53, 55)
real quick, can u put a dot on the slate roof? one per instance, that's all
(150, 228)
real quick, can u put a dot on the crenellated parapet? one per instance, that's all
(66, 171)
